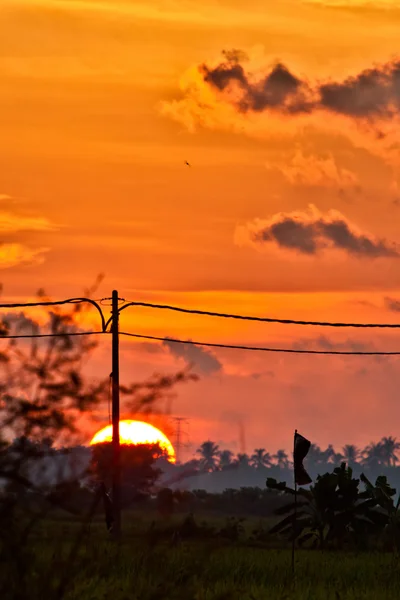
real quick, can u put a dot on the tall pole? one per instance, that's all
(178, 438)
(116, 474)
(295, 505)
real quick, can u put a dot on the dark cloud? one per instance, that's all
(308, 233)
(278, 90)
(201, 359)
(262, 374)
(373, 92)
(150, 347)
(392, 304)
(324, 343)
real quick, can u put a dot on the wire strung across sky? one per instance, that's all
(260, 319)
(49, 335)
(206, 344)
(261, 348)
(40, 303)
(203, 313)
(195, 311)
(43, 303)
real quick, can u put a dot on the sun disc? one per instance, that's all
(136, 432)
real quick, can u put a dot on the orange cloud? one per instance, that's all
(199, 106)
(14, 254)
(11, 223)
(13, 248)
(314, 170)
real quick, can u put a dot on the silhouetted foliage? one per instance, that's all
(138, 470)
(334, 511)
(209, 453)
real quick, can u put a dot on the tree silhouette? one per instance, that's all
(372, 455)
(208, 452)
(243, 460)
(225, 459)
(42, 387)
(282, 459)
(389, 446)
(315, 455)
(330, 456)
(138, 470)
(260, 458)
(350, 454)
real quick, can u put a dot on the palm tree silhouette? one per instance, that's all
(315, 455)
(350, 454)
(282, 459)
(225, 459)
(329, 455)
(209, 452)
(260, 458)
(372, 455)
(389, 446)
(243, 460)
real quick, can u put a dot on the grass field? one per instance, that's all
(201, 573)
(140, 568)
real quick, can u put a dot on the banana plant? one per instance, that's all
(383, 494)
(330, 512)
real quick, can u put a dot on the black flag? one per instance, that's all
(301, 448)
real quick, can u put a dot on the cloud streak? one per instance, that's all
(12, 223)
(315, 171)
(372, 93)
(311, 232)
(201, 359)
(14, 254)
(392, 304)
(324, 343)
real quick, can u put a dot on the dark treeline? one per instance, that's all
(215, 469)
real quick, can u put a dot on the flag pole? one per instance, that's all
(301, 447)
(295, 503)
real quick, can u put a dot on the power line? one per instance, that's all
(204, 313)
(45, 335)
(199, 312)
(208, 344)
(259, 319)
(259, 348)
(58, 303)
(44, 303)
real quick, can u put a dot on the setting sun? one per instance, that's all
(136, 432)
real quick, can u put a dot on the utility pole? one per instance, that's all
(178, 438)
(116, 474)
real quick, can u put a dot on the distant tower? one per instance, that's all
(178, 436)
(242, 437)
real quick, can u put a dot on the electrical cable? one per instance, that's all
(258, 319)
(58, 303)
(260, 348)
(46, 335)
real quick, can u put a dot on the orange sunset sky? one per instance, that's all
(288, 113)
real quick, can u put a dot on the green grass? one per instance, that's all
(201, 573)
(212, 569)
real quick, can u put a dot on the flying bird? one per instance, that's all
(187, 163)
